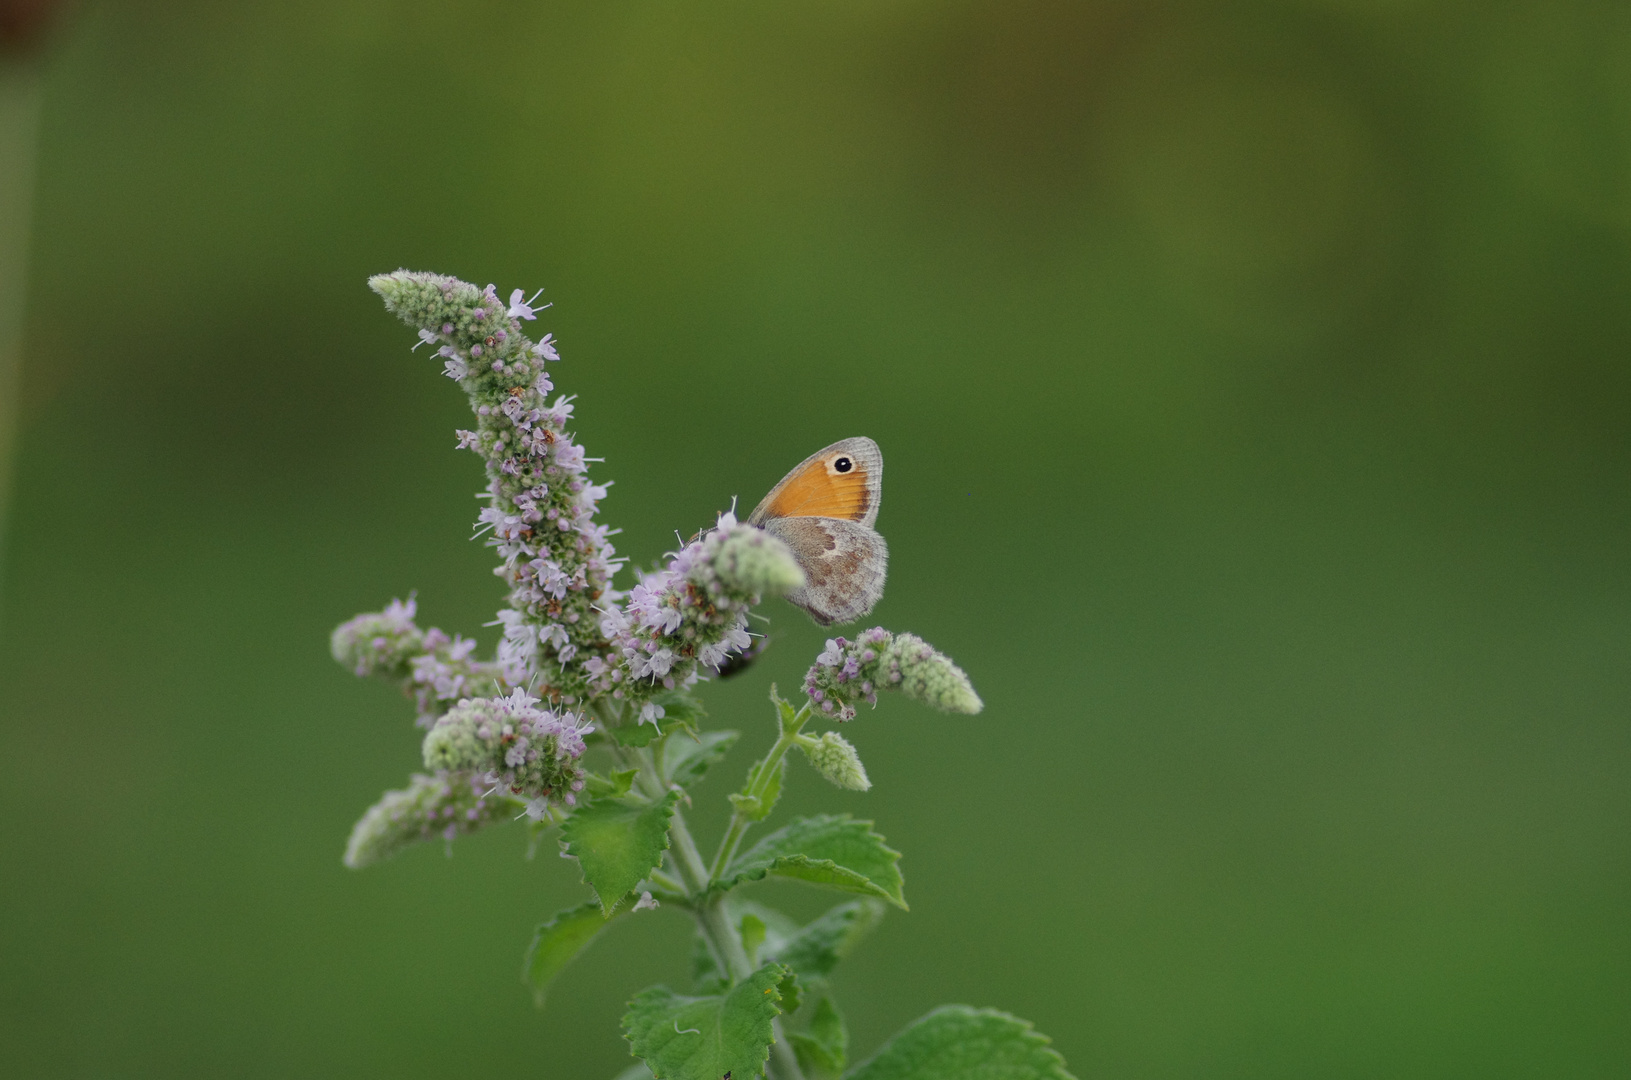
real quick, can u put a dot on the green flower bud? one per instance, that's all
(753, 561)
(421, 299)
(834, 758)
(922, 672)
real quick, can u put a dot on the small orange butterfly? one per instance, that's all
(823, 510)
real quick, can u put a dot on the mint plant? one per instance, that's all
(585, 724)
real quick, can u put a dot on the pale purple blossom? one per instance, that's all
(523, 309)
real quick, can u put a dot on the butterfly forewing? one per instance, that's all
(843, 481)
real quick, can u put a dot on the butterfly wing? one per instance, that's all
(844, 563)
(843, 482)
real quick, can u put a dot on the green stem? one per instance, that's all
(657, 877)
(763, 772)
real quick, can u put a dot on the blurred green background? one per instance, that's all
(1254, 384)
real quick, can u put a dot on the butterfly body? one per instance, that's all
(823, 511)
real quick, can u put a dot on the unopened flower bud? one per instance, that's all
(834, 758)
(750, 560)
(920, 671)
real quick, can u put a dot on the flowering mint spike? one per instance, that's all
(445, 805)
(509, 743)
(380, 643)
(691, 615)
(555, 557)
(434, 668)
(834, 758)
(848, 672)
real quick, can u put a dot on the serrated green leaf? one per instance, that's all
(956, 1042)
(557, 942)
(817, 947)
(833, 850)
(703, 1038)
(758, 807)
(635, 734)
(821, 1042)
(785, 712)
(685, 760)
(618, 844)
(789, 990)
(681, 708)
(615, 786)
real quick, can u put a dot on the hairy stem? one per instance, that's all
(764, 771)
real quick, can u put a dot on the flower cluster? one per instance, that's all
(445, 805)
(690, 616)
(556, 558)
(569, 639)
(380, 643)
(435, 668)
(509, 742)
(847, 672)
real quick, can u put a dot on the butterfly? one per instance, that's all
(823, 510)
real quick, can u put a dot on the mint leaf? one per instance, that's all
(785, 712)
(832, 850)
(789, 990)
(615, 786)
(703, 1038)
(758, 807)
(618, 843)
(638, 735)
(821, 1041)
(955, 1042)
(680, 708)
(817, 947)
(685, 759)
(557, 942)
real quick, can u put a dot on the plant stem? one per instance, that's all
(764, 771)
(712, 919)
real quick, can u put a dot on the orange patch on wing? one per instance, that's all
(817, 492)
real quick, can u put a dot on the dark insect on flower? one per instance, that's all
(737, 663)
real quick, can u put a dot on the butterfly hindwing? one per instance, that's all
(844, 564)
(843, 482)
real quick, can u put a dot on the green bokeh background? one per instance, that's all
(1254, 384)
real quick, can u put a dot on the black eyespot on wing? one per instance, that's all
(843, 465)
